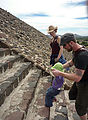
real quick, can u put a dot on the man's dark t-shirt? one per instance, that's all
(80, 60)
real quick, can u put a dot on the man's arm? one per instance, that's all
(68, 64)
(77, 76)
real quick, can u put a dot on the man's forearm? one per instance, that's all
(68, 64)
(70, 76)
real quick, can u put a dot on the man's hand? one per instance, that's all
(55, 72)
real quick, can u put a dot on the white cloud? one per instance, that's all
(42, 23)
(59, 14)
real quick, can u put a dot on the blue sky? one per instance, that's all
(67, 15)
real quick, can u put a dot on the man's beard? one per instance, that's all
(70, 49)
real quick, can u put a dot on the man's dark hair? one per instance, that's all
(66, 38)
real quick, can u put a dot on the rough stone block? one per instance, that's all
(3, 88)
(5, 66)
(2, 98)
(9, 89)
(44, 112)
(1, 53)
(15, 116)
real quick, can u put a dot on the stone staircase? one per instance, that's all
(22, 91)
(19, 81)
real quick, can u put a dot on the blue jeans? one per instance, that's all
(50, 95)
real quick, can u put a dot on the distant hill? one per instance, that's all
(79, 36)
(76, 35)
(83, 40)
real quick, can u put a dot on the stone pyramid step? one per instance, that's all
(59, 110)
(6, 62)
(70, 104)
(63, 109)
(4, 52)
(37, 109)
(10, 79)
(15, 106)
